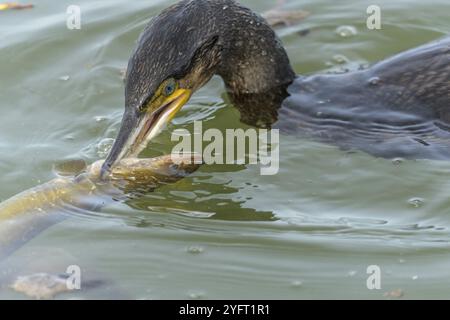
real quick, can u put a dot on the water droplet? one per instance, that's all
(374, 81)
(195, 250)
(415, 277)
(401, 261)
(264, 53)
(225, 7)
(346, 31)
(64, 78)
(416, 202)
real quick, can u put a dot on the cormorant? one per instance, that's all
(399, 107)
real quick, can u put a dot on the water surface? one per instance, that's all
(225, 232)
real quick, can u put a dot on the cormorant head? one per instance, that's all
(179, 51)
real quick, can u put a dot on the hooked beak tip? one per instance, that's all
(137, 130)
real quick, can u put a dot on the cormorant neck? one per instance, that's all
(253, 57)
(260, 109)
(254, 64)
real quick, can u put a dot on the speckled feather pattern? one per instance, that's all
(252, 58)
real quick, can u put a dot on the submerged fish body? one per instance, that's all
(28, 213)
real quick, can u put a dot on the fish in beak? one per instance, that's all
(139, 127)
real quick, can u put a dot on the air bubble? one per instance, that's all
(416, 202)
(195, 250)
(346, 31)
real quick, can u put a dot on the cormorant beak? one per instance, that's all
(138, 129)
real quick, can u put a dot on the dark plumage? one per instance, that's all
(243, 50)
(398, 107)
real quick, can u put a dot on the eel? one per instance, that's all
(27, 214)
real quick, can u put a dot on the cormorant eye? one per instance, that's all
(170, 87)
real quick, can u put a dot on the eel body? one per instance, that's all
(30, 212)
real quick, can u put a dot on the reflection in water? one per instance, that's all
(387, 119)
(395, 108)
(200, 198)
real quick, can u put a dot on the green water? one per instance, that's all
(225, 232)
